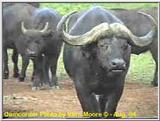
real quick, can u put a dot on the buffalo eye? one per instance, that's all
(104, 46)
(125, 46)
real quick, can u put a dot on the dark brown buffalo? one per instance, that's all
(139, 25)
(11, 18)
(97, 55)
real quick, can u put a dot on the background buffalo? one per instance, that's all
(12, 17)
(41, 41)
(34, 44)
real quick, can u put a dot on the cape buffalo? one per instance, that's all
(12, 17)
(11, 11)
(41, 38)
(97, 55)
(139, 25)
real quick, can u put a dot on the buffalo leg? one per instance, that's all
(102, 102)
(87, 99)
(25, 62)
(38, 74)
(33, 71)
(5, 64)
(46, 69)
(110, 103)
(15, 61)
(53, 68)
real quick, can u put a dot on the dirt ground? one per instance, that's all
(137, 101)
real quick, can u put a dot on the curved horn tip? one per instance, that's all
(24, 30)
(63, 20)
(148, 15)
(45, 28)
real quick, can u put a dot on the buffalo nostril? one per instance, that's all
(114, 63)
(118, 63)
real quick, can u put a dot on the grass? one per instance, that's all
(65, 8)
(142, 66)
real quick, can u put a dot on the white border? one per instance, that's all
(82, 0)
(158, 57)
(127, 1)
(1, 63)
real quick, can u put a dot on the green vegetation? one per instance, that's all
(142, 66)
(65, 8)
